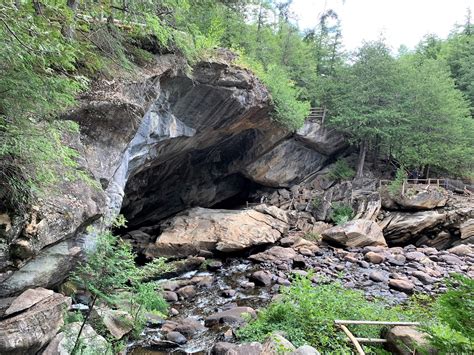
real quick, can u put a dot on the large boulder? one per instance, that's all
(277, 344)
(275, 254)
(90, 341)
(31, 329)
(117, 322)
(400, 227)
(28, 299)
(233, 316)
(47, 269)
(404, 340)
(467, 229)
(418, 197)
(216, 230)
(356, 233)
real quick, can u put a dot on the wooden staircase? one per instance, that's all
(317, 114)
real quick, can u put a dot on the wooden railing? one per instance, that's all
(436, 182)
(445, 183)
(317, 114)
(342, 324)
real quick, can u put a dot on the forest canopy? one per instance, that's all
(413, 108)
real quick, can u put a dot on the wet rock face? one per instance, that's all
(288, 163)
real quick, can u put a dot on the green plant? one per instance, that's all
(312, 236)
(109, 268)
(341, 213)
(316, 202)
(341, 171)
(289, 110)
(395, 186)
(454, 330)
(306, 315)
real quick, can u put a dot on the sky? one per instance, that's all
(399, 21)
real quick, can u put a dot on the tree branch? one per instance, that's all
(15, 36)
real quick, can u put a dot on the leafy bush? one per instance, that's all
(306, 315)
(315, 237)
(395, 187)
(341, 213)
(289, 110)
(341, 171)
(110, 271)
(454, 331)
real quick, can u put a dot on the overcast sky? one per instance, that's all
(400, 21)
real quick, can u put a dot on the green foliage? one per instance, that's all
(110, 271)
(316, 202)
(395, 186)
(109, 266)
(341, 171)
(288, 109)
(341, 213)
(406, 107)
(154, 269)
(315, 237)
(72, 317)
(306, 315)
(454, 330)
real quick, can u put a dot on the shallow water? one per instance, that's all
(207, 302)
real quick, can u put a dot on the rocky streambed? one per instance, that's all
(207, 303)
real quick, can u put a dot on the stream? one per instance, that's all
(219, 285)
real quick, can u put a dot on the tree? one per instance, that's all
(367, 107)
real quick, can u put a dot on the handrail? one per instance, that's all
(445, 183)
(318, 113)
(357, 341)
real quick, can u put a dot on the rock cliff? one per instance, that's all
(166, 141)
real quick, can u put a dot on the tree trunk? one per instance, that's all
(360, 164)
(68, 29)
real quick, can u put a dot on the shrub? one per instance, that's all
(454, 330)
(341, 213)
(289, 110)
(110, 271)
(395, 187)
(306, 314)
(341, 171)
(315, 237)
(316, 202)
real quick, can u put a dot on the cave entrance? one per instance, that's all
(241, 199)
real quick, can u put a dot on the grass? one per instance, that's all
(306, 314)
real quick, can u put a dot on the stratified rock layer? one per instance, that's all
(356, 233)
(216, 230)
(28, 331)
